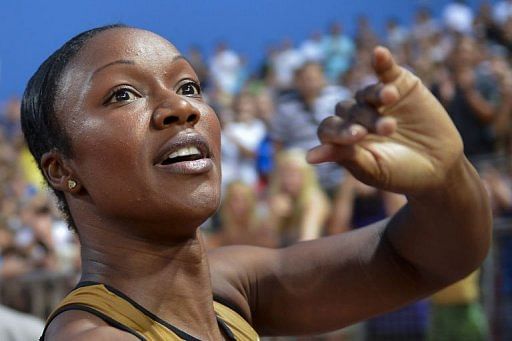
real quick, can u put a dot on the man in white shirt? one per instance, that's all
(225, 68)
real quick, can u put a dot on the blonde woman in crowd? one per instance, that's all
(240, 219)
(298, 206)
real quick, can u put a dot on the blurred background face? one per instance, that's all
(291, 176)
(465, 53)
(310, 80)
(245, 108)
(265, 106)
(239, 202)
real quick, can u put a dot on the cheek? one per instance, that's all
(108, 155)
(209, 127)
(114, 160)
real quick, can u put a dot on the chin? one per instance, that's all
(204, 201)
(207, 201)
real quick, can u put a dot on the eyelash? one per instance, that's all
(117, 91)
(195, 85)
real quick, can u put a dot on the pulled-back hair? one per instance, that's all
(39, 123)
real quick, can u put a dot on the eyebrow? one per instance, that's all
(120, 61)
(130, 62)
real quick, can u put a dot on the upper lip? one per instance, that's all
(180, 141)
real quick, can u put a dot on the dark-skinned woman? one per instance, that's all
(117, 123)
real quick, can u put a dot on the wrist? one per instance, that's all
(459, 181)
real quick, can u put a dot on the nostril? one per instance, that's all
(192, 118)
(170, 120)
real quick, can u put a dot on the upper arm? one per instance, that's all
(82, 326)
(316, 286)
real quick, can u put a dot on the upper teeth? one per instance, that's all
(185, 151)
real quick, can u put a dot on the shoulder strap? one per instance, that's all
(124, 312)
(94, 312)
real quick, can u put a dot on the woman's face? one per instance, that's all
(292, 178)
(146, 146)
(246, 108)
(239, 203)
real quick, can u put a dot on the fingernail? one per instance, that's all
(352, 132)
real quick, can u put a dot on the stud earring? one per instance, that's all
(72, 184)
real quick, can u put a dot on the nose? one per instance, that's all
(175, 111)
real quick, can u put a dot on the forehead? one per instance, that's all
(125, 43)
(310, 69)
(146, 49)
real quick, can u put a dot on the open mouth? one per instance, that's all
(190, 153)
(187, 153)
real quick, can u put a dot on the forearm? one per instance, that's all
(502, 121)
(445, 234)
(483, 109)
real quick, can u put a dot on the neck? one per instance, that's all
(172, 280)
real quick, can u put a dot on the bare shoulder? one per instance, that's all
(80, 326)
(236, 269)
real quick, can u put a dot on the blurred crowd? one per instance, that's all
(272, 197)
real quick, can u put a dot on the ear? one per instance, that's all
(58, 173)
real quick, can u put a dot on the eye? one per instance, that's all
(122, 95)
(190, 89)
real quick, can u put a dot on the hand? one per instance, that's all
(396, 136)
(466, 79)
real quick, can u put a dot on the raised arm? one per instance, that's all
(441, 235)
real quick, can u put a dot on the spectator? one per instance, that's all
(502, 74)
(396, 35)
(298, 207)
(312, 49)
(499, 187)
(241, 222)
(286, 62)
(457, 314)
(242, 138)
(224, 69)
(298, 114)
(471, 97)
(458, 17)
(424, 24)
(10, 119)
(359, 205)
(365, 38)
(339, 51)
(266, 109)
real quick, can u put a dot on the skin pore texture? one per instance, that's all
(129, 93)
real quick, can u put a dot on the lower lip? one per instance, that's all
(200, 166)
